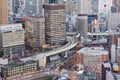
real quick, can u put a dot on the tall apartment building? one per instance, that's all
(92, 58)
(35, 28)
(33, 7)
(4, 11)
(12, 40)
(55, 24)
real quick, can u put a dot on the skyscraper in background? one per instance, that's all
(4, 11)
(82, 24)
(84, 6)
(33, 7)
(16, 5)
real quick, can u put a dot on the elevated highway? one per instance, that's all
(72, 42)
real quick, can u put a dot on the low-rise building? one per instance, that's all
(19, 68)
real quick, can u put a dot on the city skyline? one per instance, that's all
(59, 39)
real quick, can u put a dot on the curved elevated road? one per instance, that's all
(72, 42)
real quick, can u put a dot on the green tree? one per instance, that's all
(49, 78)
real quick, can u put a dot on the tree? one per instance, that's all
(49, 78)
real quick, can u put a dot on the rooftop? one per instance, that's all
(107, 64)
(93, 50)
(37, 19)
(18, 63)
(10, 27)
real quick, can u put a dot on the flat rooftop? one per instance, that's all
(19, 63)
(93, 50)
(107, 64)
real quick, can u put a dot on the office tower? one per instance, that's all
(82, 24)
(12, 40)
(33, 7)
(55, 24)
(35, 28)
(84, 6)
(4, 11)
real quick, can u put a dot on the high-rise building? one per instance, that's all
(33, 7)
(84, 6)
(35, 28)
(82, 24)
(4, 11)
(55, 23)
(12, 40)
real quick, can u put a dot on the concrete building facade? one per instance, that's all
(82, 24)
(55, 24)
(12, 40)
(35, 28)
(4, 11)
(92, 58)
